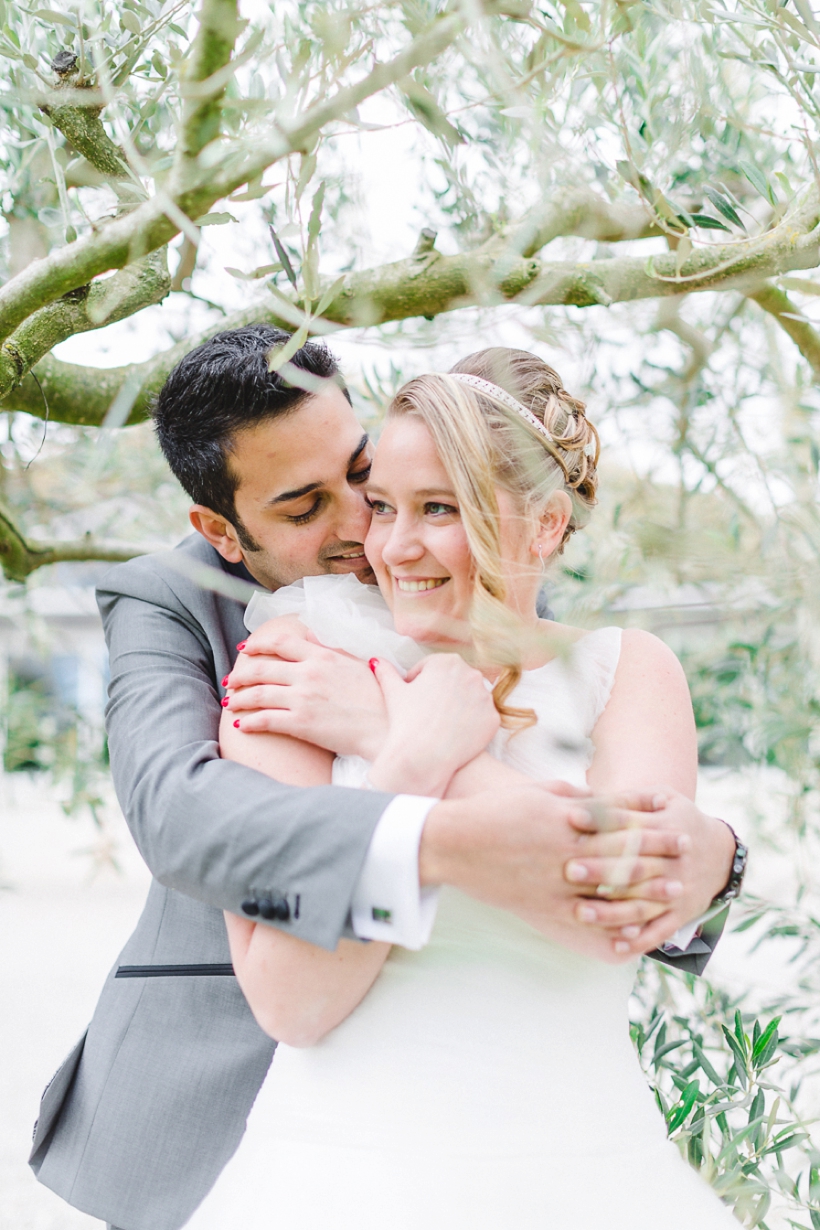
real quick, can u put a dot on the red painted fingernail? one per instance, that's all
(224, 702)
(373, 663)
(236, 723)
(241, 645)
(224, 683)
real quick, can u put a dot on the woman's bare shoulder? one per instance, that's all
(641, 648)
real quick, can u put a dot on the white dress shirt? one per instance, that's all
(388, 901)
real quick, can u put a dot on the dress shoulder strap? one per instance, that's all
(596, 657)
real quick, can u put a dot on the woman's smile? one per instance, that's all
(416, 543)
(419, 585)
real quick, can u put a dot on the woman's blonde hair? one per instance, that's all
(484, 445)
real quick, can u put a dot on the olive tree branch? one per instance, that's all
(149, 226)
(582, 212)
(778, 304)
(90, 307)
(19, 557)
(211, 50)
(239, 165)
(84, 130)
(427, 284)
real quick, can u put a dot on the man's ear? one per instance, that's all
(218, 532)
(551, 525)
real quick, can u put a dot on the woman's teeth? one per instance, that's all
(412, 587)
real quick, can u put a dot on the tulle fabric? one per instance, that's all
(343, 614)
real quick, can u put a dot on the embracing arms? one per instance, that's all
(298, 996)
(298, 992)
(207, 827)
(281, 682)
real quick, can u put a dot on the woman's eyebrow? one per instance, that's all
(424, 492)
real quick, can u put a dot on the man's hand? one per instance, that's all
(649, 901)
(284, 682)
(510, 848)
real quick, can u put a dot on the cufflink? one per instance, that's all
(380, 915)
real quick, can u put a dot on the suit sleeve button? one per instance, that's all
(266, 908)
(250, 907)
(281, 909)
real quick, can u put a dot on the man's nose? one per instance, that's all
(354, 516)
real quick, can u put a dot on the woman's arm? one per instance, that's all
(645, 738)
(297, 991)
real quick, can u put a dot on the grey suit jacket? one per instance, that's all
(149, 1106)
(142, 1117)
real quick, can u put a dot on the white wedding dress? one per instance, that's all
(487, 1082)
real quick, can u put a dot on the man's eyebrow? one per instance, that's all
(287, 496)
(358, 450)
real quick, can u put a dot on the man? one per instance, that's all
(146, 1111)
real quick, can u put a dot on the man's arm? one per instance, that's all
(283, 683)
(217, 831)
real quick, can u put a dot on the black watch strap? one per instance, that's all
(735, 881)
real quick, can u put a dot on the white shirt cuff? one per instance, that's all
(388, 902)
(683, 936)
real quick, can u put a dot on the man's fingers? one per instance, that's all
(657, 843)
(608, 874)
(640, 800)
(597, 816)
(662, 888)
(649, 937)
(615, 915)
(621, 811)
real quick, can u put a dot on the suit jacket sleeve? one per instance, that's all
(207, 827)
(696, 957)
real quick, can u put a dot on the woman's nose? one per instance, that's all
(403, 545)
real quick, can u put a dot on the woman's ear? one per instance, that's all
(552, 525)
(217, 531)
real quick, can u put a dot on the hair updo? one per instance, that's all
(485, 445)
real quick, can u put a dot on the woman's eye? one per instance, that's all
(379, 507)
(439, 510)
(302, 518)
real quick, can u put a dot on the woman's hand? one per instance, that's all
(285, 683)
(440, 718)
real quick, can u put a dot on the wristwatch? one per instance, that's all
(735, 881)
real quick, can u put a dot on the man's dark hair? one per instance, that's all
(217, 390)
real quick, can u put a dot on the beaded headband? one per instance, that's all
(512, 403)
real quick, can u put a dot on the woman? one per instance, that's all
(487, 1080)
